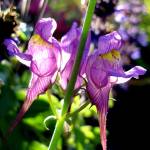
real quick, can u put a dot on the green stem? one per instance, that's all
(51, 104)
(85, 30)
(79, 109)
(69, 92)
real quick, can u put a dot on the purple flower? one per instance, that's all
(128, 15)
(69, 46)
(103, 70)
(121, 12)
(43, 59)
(142, 39)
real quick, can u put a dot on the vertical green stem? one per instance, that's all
(69, 92)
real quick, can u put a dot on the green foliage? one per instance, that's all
(145, 25)
(145, 19)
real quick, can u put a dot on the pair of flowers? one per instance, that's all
(46, 57)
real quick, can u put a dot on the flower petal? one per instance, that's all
(57, 52)
(102, 117)
(100, 97)
(69, 46)
(37, 86)
(45, 56)
(126, 76)
(72, 35)
(109, 42)
(85, 55)
(65, 76)
(95, 72)
(14, 51)
(45, 27)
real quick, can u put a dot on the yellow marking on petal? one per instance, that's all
(107, 56)
(111, 56)
(116, 54)
(36, 39)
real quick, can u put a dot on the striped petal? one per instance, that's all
(109, 42)
(72, 35)
(100, 97)
(38, 85)
(69, 46)
(44, 62)
(65, 76)
(45, 27)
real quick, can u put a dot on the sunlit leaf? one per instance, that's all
(35, 145)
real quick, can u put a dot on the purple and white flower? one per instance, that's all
(103, 70)
(42, 57)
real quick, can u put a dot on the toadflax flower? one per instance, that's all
(103, 70)
(69, 45)
(43, 59)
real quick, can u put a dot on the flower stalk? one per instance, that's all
(51, 103)
(69, 92)
(79, 109)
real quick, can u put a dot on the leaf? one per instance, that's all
(37, 146)
(8, 101)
